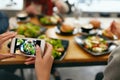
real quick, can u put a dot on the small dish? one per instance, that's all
(22, 16)
(91, 32)
(58, 31)
(86, 28)
(80, 41)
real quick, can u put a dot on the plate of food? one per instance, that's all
(95, 44)
(30, 30)
(59, 46)
(50, 20)
(66, 29)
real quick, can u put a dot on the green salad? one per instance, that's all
(95, 44)
(29, 30)
(29, 48)
(58, 48)
(48, 20)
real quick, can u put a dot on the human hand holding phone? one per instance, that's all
(43, 64)
(26, 46)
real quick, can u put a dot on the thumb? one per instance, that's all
(38, 52)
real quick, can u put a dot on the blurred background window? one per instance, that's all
(101, 7)
(11, 7)
(82, 7)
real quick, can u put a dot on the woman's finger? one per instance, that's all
(48, 50)
(7, 36)
(7, 55)
(38, 52)
(29, 59)
(30, 62)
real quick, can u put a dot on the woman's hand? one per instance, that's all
(43, 64)
(4, 37)
(33, 9)
(61, 6)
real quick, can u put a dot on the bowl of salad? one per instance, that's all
(95, 44)
(28, 48)
(59, 46)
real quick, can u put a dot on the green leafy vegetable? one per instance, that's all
(29, 30)
(58, 48)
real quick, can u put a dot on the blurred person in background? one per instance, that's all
(4, 24)
(112, 71)
(38, 7)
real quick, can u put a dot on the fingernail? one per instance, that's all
(37, 47)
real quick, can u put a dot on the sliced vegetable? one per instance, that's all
(96, 44)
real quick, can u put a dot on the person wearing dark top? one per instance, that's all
(112, 71)
(4, 24)
(46, 6)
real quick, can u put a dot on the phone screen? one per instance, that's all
(26, 46)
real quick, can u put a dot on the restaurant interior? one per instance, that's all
(72, 35)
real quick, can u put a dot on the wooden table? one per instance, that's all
(75, 56)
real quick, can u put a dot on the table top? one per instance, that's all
(74, 54)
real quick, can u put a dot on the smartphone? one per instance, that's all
(26, 46)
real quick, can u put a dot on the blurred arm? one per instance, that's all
(112, 70)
